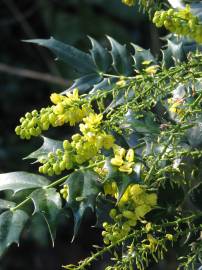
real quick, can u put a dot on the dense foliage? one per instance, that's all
(134, 158)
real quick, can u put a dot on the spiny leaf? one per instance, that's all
(194, 134)
(84, 187)
(100, 56)
(121, 59)
(11, 225)
(196, 196)
(17, 181)
(48, 203)
(85, 83)
(80, 61)
(49, 145)
(142, 55)
(146, 124)
(4, 204)
(106, 84)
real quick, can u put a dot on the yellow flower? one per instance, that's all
(142, 210)
(129, 2)
(152, 69)
(108, 141)
(169, 236)
(126, 168)
(117, 161)
(151, 199)
(56, 98)
(130, 155)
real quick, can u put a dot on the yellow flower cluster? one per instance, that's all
(123, 159)
(66, 109)
(176, 106)
(133, 206)
(82, 148)
(181, 22)
(92, 139)
(129, 2)
(64, 192)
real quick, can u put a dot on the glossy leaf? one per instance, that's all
(194, 134)
(49, 145)
(142, 55)
(11, 226)
(100, 56)
(121, 59)
(84, 187)
(48, 203)
(4, 204)
(80, 61)
(85, 83)
(17, 181)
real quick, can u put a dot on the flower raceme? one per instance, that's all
(132, 207)
(181, 22)
(123, 160)
(82, 148)
(66, 109)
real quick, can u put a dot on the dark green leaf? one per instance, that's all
(105, 85)
(6, 204)
(84, 187)
(196, 196)
(142, 55)
(48, 203)
(17, 181)
(49, 145)
(194, 134)
(11, 225)
(145, 124)
(103, 207)
(85, 83)
(100, 56)
(121, 59)
(80, 61)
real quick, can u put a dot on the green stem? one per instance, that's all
(20, 204)
(95, 256)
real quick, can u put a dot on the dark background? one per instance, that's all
(69, 21)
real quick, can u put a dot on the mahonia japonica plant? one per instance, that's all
(135, 159)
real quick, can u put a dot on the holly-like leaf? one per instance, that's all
(17, 181)
(103, 207)
(11, 226)
(142, 55)
(105, 85)
(85, 83)
(100, 56)
(194, 134)
(4, 204)
(196, 196)
(49, 145)
(80, 61)
(48, 203)
(84, 187)
(146, 124)
(121, 59)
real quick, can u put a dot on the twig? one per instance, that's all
(32, 74)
